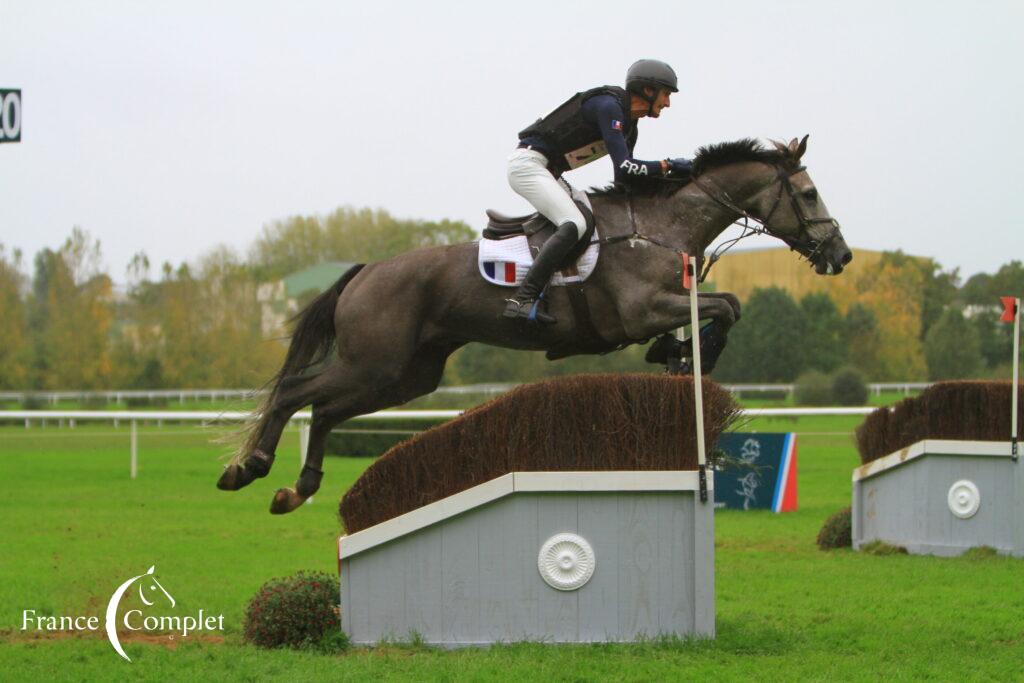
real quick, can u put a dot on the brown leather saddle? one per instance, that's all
(538, 229)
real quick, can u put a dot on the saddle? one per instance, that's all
(538, 229)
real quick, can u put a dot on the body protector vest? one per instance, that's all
(572, 141)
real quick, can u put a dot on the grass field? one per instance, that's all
(74, 526)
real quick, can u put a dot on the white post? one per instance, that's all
(697, 380)
(1014, 388)
(304, 448)
(135, 449)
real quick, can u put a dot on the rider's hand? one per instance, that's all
(680, 167)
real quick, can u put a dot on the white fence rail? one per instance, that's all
(184, 395)
(134, 417)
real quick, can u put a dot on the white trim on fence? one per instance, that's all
(508, 484)
(996, 449)
(183, 395)
(303, 418)
(238, 416)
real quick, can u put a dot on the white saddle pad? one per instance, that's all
(505, 262)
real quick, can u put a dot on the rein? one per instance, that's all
(807, 247)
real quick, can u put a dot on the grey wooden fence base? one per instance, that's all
(473, 578)
(903, 498)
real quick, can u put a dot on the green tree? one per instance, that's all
(825, 344)
(938, 287)
(1008, 281)
(893, 292)
(767, 345)
(977, 290)
(864, 340)
(71, 316)
(14, 343)
(347, 234)
(995, 338)
(199, 327)
(952, 348)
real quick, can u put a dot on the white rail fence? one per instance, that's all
(184, 395)
(301, 419)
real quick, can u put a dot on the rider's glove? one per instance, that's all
(680, 167)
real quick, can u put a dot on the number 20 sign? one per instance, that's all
(10, 115)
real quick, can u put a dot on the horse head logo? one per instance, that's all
(148, 584)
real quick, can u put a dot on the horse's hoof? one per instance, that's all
(285, 500)
(233, 478)
(256, 466)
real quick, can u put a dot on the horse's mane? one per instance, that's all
(708, 157)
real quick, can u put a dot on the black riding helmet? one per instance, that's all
(650, 73)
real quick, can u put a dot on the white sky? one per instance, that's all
(171, 127)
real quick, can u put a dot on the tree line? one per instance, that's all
(63, 324)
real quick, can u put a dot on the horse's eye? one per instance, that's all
(810, 195)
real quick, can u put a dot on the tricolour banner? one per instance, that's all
(760, 472)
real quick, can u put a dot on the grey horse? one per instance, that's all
(392, 325)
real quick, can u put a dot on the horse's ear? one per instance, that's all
(781, 146)
(792, 147)
(802, 148)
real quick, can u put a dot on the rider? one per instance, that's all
(590, 124)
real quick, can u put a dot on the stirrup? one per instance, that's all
(528, 310)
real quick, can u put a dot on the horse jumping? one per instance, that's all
(393, 324)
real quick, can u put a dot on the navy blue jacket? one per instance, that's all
(617, 131)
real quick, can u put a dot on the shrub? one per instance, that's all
(145, 401)
(813, 388)
(837, 531)
(93, 403)
(882, 548)
(849, 387)
(33, 402)
(980, 552)
(300, 611)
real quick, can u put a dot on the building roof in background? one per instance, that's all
(318, 278)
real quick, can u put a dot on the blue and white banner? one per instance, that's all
(761, 474)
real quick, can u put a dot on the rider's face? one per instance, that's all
(661, 102)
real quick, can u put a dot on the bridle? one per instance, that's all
(803, 243)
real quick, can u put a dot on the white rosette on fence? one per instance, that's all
(566, 561)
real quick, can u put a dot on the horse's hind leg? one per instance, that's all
(421, 377)
(293, 394)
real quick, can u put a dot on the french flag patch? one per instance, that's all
(502, 271)
(616, 125)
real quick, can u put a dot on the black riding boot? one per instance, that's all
(551, 254)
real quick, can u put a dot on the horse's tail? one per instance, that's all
(311, 341)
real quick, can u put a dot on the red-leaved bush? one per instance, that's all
(296, 611)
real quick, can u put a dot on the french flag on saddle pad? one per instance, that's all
(501, 271)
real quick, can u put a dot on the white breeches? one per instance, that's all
(529, 177)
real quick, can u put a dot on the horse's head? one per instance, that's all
(792, 210)
(775, 190)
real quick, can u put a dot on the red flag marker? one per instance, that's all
(1009, 308)
(686, 270)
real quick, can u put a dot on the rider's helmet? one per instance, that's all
(652, 73)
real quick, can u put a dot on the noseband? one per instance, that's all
(803, 243)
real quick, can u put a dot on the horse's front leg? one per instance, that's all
(669, 312)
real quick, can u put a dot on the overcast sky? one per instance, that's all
(172, 127)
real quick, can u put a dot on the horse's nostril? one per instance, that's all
(847, 257)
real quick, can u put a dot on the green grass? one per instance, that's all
(74, 525)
